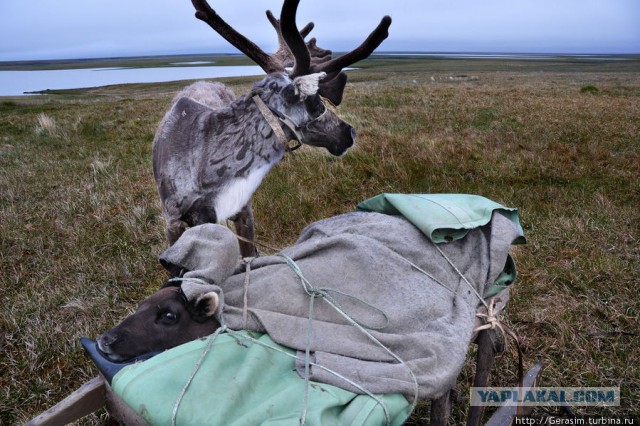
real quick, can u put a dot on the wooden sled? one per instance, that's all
(96, 394)
(90, 397)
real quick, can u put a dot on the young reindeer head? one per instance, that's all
(166, 319)
(297, 95)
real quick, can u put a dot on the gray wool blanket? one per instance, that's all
(383, 273)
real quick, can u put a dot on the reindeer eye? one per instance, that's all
(290, 95)
(168, 317)
(314, 106)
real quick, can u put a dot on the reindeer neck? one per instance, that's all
(262, 122)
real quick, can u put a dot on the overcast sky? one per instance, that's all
(57, 29)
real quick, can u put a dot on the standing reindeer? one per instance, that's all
(211, 151)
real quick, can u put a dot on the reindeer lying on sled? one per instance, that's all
(366, 314)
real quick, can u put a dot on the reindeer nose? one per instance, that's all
(105, 340)
(353, 134)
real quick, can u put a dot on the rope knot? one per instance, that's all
(491, 320)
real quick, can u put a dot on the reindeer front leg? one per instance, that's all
(243, 222)
(175, 228)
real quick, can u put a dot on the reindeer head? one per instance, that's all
(303, 74)
(303, 112)
(166, 319)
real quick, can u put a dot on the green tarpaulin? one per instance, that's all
(241, 383)
(441, 217)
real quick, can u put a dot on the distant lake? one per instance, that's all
(15, 83)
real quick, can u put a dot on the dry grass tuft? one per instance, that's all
(46, 125)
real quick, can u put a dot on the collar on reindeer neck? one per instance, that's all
(274, 118)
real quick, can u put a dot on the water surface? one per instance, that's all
(15, 83)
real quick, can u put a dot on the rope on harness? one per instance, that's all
(275, 125)
(257, 243)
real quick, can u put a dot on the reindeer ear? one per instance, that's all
(332, 87)
(207, 303)
(202, 300)
(307, 85)
(204, 306)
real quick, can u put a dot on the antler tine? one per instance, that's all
(307, 29)
(293, 38)
(205, 13)
(276, 24)
(318, 54)
(283, 54)
(361, 52)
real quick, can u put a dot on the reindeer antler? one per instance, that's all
(361, 52)
(205, 13)
(284, 55)
(293, 38)
(306, 57)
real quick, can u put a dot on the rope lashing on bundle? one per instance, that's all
(314, 292)
(194, 371)
(491, 319)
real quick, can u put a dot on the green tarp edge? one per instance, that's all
(441, 217)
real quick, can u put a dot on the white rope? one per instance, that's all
(239, 336)
(462, 276)
(196, 367)
(490, 318)
(437, 281)
(245, 296)
(313, 292)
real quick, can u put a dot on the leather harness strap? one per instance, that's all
(274, 122)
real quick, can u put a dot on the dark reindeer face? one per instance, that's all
(313, 123)
(161, 322)
(327, 130)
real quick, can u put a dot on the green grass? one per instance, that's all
(80, 223)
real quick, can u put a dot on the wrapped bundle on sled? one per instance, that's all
(366, 314)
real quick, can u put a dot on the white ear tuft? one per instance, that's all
(211, 300)
(307, 85)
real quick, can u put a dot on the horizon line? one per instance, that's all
(381, 53)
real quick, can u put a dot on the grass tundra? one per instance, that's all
(81, 226)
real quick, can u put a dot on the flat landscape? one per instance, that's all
(559, 139)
